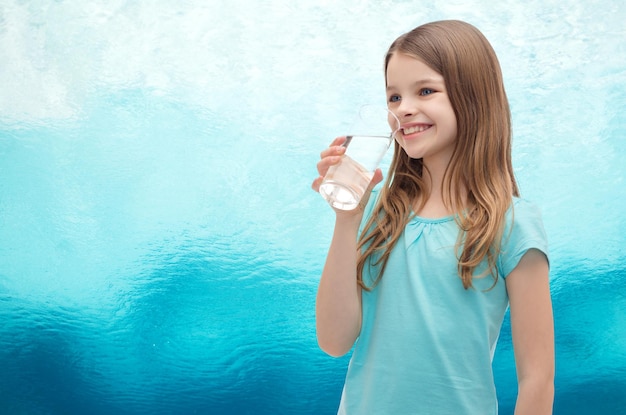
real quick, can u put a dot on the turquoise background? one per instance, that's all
(160, 246)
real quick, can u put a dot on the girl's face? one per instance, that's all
(417, 95)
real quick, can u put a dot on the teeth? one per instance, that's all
(415, 129)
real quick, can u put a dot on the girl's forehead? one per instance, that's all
(405, 67)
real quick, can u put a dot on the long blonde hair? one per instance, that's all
(481, 161)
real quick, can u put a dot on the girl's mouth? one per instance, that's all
(415, 129)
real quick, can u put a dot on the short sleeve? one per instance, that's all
(523, 231)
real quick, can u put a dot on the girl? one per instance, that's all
(423, 271)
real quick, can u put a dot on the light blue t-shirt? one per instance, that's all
(426, 343)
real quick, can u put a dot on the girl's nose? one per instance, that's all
(407, 108)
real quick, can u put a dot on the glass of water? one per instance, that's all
(372, 134)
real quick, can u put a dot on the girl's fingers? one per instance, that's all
(317, 183)
(330, 156)
(334, 149)
(324, 164)
(338, 141)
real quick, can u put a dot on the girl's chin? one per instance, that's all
(412, 153)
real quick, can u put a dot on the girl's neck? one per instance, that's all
(434, 206)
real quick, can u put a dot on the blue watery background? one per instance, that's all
(160, 246)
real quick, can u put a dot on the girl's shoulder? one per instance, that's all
(523, 209)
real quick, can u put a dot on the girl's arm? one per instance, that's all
(532, 328)
(338, 304)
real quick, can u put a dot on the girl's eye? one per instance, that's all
(426, 91)
(394, 98)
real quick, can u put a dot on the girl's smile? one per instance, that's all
(413, 129)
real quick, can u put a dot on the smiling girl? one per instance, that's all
(420, 275)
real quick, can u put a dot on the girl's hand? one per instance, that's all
(331, 156)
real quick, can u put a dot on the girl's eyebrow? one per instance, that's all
(427, 81)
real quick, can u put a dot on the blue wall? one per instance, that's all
(160, 245)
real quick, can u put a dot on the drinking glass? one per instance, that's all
(372, 133)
